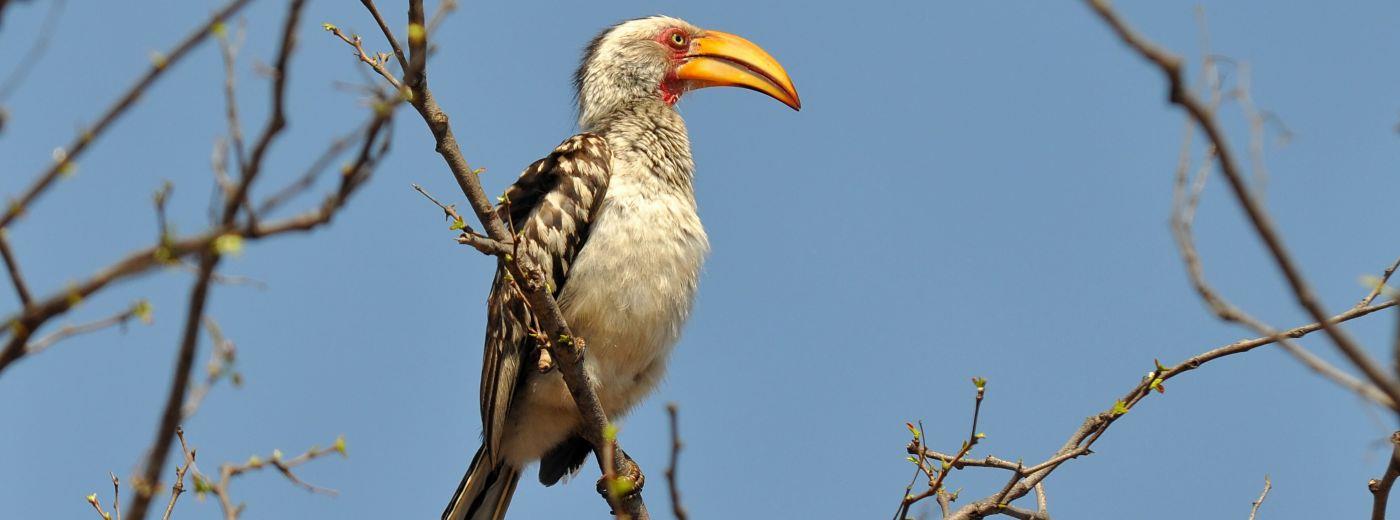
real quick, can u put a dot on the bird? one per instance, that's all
(610, 218)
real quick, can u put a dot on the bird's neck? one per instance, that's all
(652, 135)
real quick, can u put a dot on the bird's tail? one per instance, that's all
(485, 491)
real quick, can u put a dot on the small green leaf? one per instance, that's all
(457, 223)
(142, 311)
(229, 243)
(1119, 408)
(619, 486)
(329, 27)
(912, 430)
(339, 446)
(980, 383)
(202, 485)
(74, 297)
(92, 499)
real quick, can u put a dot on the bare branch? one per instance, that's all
(220, 364)
(1023, 514)
(116, 495)
(12, 265)
(677, 509)
(1254, 508)
(36, 51)
(227, 471)
(937, 476)
(468, 237)
(208, 261)
(21, 326)
(141, 309)
(1024, 480)
(1041, 505)
(1380, 489)
(1379, 285)
(179, 486)
(308, 178)
(65, 160)
(1204, 118)
(228, 50)
(377, 63)
(170, 418)
(1183, 214)
(388, 34)
(1184, 203)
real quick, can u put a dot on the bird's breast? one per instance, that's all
(630, 290)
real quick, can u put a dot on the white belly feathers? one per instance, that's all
(628, 296)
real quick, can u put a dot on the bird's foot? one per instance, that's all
(626, 483)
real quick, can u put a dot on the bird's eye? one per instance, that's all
(677, 40)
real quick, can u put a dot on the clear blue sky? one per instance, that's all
(971, 189)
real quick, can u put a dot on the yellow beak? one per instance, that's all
(721, 59)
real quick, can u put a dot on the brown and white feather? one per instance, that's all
(550, 208)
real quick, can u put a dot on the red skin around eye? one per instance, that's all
(672, 87)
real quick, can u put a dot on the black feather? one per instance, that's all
(564, 459)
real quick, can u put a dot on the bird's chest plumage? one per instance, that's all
(629, 291)
(631, 288)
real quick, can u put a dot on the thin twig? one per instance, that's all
(220, 364)
(228, 50)
(1254, 508)
(468, 237)
(12, 265)
(388, 34)
(227, 471)
(141, 309)
(1024, 480)
(36, 50)
(377, 62)
(64, 161)
(22, 325)
(1171, 67)
(1380, 489)
(179, 486)
(1380, 285)
(677, 508)
(208, 261)
(1041, 503)
(936, 477)
(160, 447)
(308, 178)
(1184, 203)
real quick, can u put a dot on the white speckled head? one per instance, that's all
(626, 63)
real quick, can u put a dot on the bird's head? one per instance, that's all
(660, 58)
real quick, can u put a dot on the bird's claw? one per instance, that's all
(627, 472)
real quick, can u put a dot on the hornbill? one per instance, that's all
(609, 216)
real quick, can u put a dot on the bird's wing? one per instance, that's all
(549, 208)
